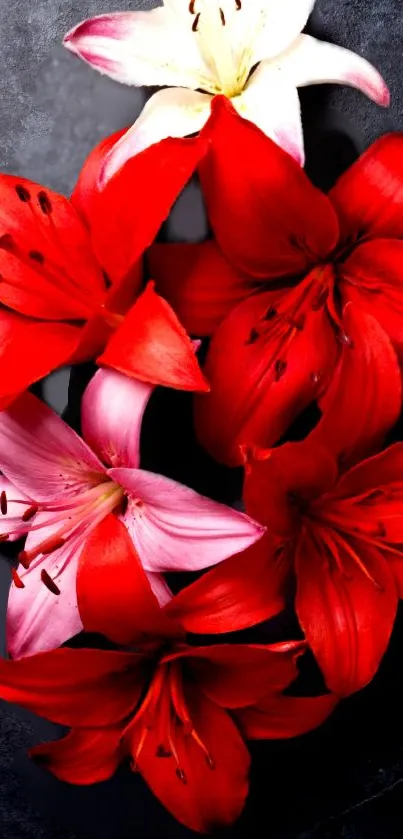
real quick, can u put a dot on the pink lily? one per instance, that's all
(66, 486)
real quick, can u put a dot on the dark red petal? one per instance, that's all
(207, 798)
(373, 281)
(369, 196)
(236, 675)
(30, 350)
(86, 188)
(374, 473)
(227, 598)
(268, 219)
(273, 477)
(259, 385)
(198, 282)
(75, 687)
(149, 335)
(285, 716)
(125, 216)
(346, 617)
(47, 266)
(113, 592)
(85, 756)
(364, 401)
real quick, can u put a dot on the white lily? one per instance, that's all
(248, 50)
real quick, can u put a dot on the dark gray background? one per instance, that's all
(53, 109)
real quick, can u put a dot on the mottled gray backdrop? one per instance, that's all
(53, 109)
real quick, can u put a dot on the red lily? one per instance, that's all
(174, 710)
(336, 519)
(275, 348)
(67, 292)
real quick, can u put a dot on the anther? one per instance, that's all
(17, 579)
(161, 751)
(192, 6)
(49, 583)
(52, 545)
(29, 513)
(181, 775)
(253, 337)
(222, 15)
(270, 314)
(44, 203)
(24, 560)
(279, 369)
(22, 192)
(238, 4)
(4, 537)
(195, 23)
(3, 503)
(37, 256)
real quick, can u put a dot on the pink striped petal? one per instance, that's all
(111, 413)
(141, 48)
(40, 454)
(11, 520)
(37, 619)
(175, 529)
(316, 62)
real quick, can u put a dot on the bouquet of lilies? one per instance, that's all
(295, 300)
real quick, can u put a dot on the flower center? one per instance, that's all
(66, 520)
(209, 23)
(164, 711)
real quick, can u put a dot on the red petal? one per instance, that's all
(75, 687)
(268, 218)
(273, 477)
(369, 196)
(149, 335)
(285, 716)
(227, 598)
(346, 617)
(259, 386)
(127, 213)
(85, 756)
(198, 282)
(374, 473)
(236, 675)
(114, 595)
(47, 266)
(209, 798)
(364, 401)
(30, 350)
(373, 276)
(86, 188)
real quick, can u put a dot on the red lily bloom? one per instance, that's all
(173, 709)
(67, 292)
(335, 519)
(275, 348)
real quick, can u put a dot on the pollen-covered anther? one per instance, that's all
(280, 367)
(49, 583)
(195, 24)
(222, 15)
(3, 503)
(29, 513)
(17, 579)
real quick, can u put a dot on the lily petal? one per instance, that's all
(158, 337)
(276, 25)
(42, 455)
(84, 756)
(270, 100)
(209, 798)
(267, 217)
(65, 685)
(200, 285)
(12, 511)
(259, 383)
(124, 607)
(112, 411)
(176, 112)
(346, 617)
(369, 195)
(285, 716)
(311, 61)
(175, 529)
(364, 401)
(227, 599)
(151, 48)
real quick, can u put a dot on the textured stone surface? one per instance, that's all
(347, 779)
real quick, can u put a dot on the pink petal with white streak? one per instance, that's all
(41, 455)
(175, 529)
(111, 414)
(316, 62)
